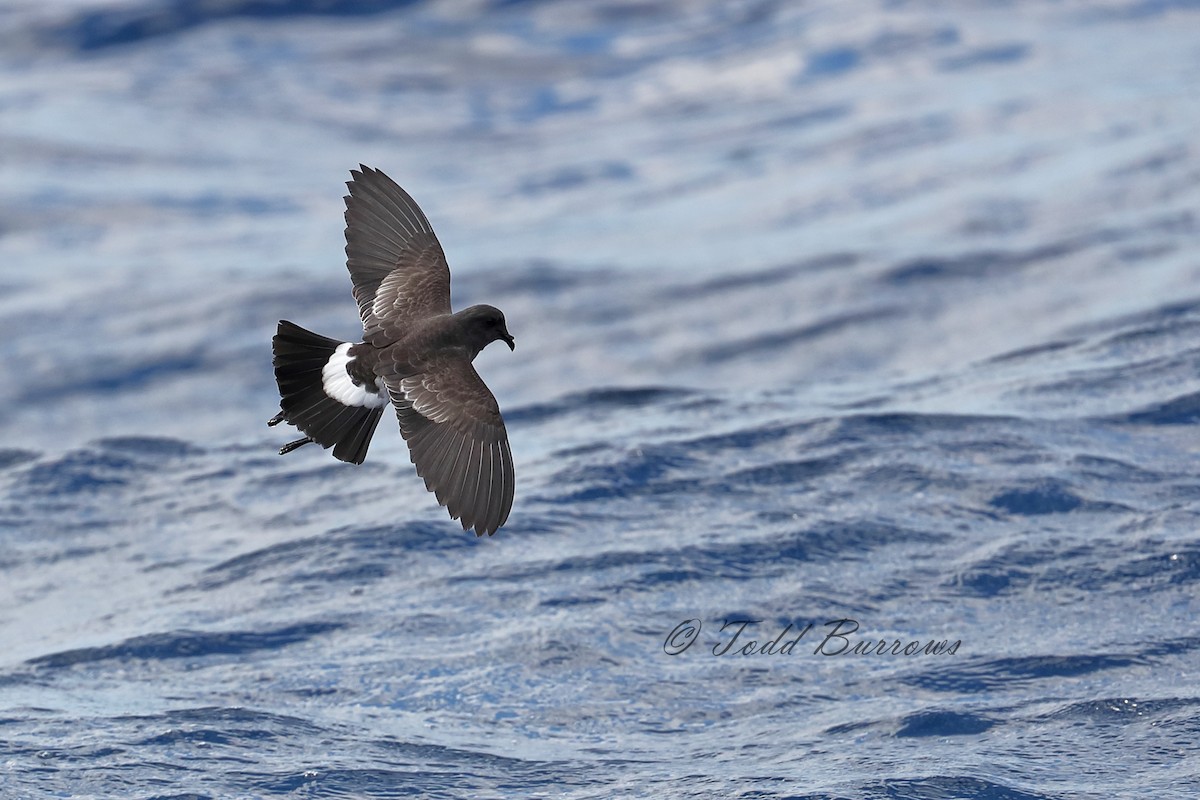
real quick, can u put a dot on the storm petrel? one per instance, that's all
(415, 352)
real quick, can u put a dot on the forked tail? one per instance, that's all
(311, 372)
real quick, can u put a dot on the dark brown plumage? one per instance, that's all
(415, 352)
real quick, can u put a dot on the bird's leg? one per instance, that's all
(290, 446)
(275, 420)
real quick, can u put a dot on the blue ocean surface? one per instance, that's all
(854, 405)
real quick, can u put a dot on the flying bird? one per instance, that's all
(415, 354)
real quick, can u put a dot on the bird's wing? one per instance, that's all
(456, 439)
(396, 264)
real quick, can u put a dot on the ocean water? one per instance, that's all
(844, 329)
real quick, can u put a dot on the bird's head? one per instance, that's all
(483, 325)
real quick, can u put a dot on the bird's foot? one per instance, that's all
(290, 446)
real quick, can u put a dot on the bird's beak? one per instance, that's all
(510, 341)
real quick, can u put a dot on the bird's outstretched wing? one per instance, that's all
(396, 263)
(456, 439)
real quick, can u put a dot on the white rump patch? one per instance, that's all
(337, 384)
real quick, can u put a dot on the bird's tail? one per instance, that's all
(301, 358)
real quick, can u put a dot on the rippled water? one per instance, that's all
(881, 313)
